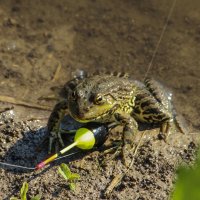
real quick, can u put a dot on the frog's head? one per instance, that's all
(96, 98)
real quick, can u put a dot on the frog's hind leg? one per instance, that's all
(180, 123)
(160, 93)
(165, 127)
(165, 130)
(163, 99)
(54, 122)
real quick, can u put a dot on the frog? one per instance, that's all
(115, 97)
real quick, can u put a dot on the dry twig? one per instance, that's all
(15, 101)
(118, 178)
(56, 75)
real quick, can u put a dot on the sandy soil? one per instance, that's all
(38, 37)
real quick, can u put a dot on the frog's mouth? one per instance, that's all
(92, 114)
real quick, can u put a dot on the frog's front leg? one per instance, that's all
(130, 128)
(53, 126)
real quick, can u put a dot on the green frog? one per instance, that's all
(111, 98)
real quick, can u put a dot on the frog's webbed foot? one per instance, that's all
(54, 124)
(55, 138)
(165, 127)
(130, 128)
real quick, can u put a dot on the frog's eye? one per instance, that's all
(98, 100)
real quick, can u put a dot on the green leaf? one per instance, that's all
(37, 197)
(23, 191)
(188, 183)
(68, 175)
(14, 198)
(62, 173)
(72, 186)
(63, 170)
(74, 176)
(66, 169)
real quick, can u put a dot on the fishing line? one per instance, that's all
(67, 155)
(16, 166)
(161, 37)
(33, 168)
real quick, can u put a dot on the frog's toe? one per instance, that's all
(127, 149)
(52, 140)
(165, 131)
(60, 139)
(55, 138)
(165, 127)
(127, 154)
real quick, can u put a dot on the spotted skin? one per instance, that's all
(113, 98)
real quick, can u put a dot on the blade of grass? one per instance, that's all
(74, 176)
(23, 191)
(72, 186)
(37, 197)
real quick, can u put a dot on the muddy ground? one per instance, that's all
(43, 42)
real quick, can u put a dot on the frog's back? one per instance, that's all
(153, 103)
